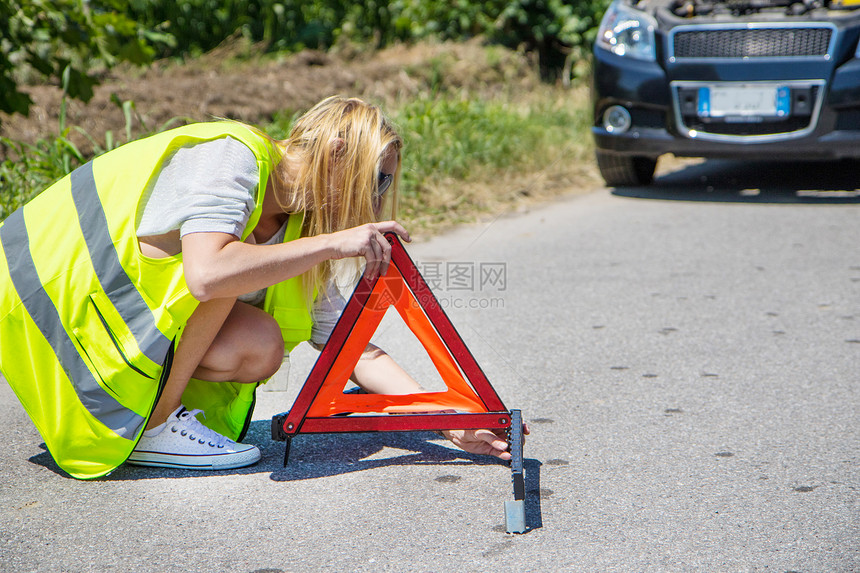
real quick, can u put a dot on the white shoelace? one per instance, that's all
(189, 426)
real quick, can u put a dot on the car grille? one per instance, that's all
(764, 42)
(751, 129)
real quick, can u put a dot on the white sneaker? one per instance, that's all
(183, 442)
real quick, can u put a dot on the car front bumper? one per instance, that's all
(650, 93)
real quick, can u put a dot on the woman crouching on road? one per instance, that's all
(211, 234)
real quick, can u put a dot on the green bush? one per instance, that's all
(200, 25)
(43, 39)
(555, 29)
(558, 31)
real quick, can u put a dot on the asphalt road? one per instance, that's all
(687, 356)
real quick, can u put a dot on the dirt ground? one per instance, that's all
(237, 81)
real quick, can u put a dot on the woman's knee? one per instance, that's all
(263, 352)
(248, 348)
(268, 356)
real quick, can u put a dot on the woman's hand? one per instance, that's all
(484, 442)
(367, 241)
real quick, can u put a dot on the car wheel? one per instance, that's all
(625, 170)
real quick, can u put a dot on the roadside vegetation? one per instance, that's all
(494, 115)
(468, 158)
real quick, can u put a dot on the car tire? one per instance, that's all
(625, 170)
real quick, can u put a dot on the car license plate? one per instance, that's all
(744, 101)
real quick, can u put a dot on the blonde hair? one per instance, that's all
(338, 147)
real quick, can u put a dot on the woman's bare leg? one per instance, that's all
(224, 340)
(210, 344)
(249, 348)
(201, 330)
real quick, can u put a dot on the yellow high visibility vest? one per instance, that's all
(88, 323)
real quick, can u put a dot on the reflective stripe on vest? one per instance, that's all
(22, 269)
(112, 276)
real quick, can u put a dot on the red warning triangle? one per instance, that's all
(468, 393)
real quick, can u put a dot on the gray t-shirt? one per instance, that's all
(207, 187)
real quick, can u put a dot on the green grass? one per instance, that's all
(466, 157)
(29, 168)
(462, 139)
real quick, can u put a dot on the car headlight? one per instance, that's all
(628, 32)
